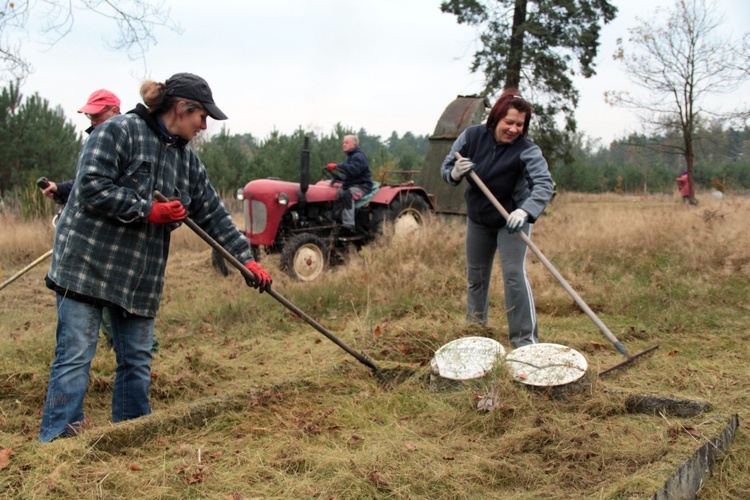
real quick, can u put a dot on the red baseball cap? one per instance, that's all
(98, 101)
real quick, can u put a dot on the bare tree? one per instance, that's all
(135, 20)
(679, 63)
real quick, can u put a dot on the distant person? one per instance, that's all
(112, 242)
(101, 106)
(684, 186)
(516, 173)
(357, 179)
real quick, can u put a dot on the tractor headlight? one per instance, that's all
(283, 199)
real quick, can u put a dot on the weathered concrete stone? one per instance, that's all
(690, 476)
(654, 404)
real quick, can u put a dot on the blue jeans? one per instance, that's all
(482, 243)
(77, 334)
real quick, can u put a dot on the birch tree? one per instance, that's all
(678, 63)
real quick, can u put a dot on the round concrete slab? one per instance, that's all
(546, 365)
(467, 358)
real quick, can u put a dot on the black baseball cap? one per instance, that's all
(194, 87)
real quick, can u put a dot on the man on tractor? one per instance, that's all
(357, 180)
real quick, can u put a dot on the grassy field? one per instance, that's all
(251, 402)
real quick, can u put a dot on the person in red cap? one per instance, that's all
(112, 243)
(101, 106)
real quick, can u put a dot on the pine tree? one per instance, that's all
(531, 45)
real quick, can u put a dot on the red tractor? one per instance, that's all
(293, 219)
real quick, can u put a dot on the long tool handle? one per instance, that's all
(24, 270)
(365, 360)
(618, 345)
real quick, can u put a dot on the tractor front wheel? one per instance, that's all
(304, 257)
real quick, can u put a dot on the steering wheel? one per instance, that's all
(336, 175)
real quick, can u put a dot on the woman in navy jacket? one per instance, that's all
(516, 173)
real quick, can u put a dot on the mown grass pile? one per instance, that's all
(250, 401)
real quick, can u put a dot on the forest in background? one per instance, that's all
(37, 139)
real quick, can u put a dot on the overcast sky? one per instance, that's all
(382, 65)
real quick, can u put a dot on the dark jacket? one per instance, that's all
(356, 171)
(63, 191)
(64, 188)
(516, 173)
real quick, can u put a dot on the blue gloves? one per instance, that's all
(516, 220)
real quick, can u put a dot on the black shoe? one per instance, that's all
(329, 216)
(348, 231)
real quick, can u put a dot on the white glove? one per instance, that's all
(461, 168)
(516, 220)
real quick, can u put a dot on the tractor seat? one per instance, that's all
(368, 197)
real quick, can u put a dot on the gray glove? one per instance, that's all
(461, 168)
(516, 220)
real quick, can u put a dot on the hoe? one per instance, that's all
(25, 270)
(39, 259)
(43, 183)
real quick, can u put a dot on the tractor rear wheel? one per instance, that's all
(405, 214)
(304, 257)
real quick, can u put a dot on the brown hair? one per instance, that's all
(510, 98)
(155, 97)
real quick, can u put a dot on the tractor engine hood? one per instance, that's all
(269, 190)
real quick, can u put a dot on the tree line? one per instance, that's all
(537, 46)
(36, 139)
(648, 164)
(232, 160)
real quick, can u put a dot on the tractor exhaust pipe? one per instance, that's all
(304, 174)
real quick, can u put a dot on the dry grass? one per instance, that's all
(22, 242)
(250, 401)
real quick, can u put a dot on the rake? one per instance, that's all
(577, 298)
(361, 357)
